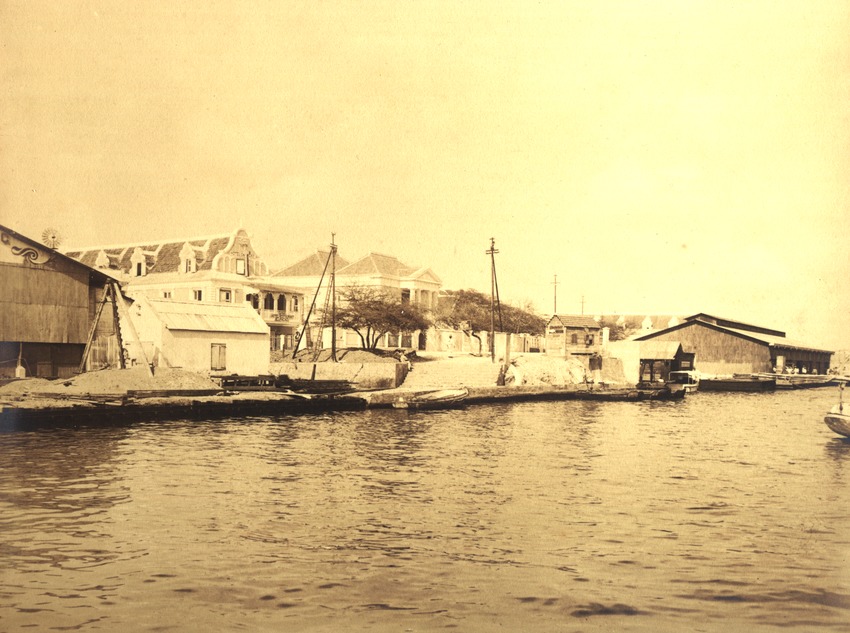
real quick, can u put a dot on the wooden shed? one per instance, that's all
(573, 334)
(724, 347)
(48, 305)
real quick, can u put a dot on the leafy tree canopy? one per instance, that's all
(469, 310)
(373, 312)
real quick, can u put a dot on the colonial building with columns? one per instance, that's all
(218, 269)
(419, 286)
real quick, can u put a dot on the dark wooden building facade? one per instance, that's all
(48, 304)
(725, 347)
(573, 334)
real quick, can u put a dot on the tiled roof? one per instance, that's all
(377, 263)
(574, 320)
(161, 257)
(312, 265)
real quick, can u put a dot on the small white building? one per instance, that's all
(208, 338)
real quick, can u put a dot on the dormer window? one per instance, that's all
(102, 260)
(240, 267)
(139, 263)
(188, 263)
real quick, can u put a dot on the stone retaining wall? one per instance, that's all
(366, 375)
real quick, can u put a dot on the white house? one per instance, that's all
(218, 269)
(209, 338)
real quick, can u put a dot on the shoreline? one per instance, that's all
(119, 408)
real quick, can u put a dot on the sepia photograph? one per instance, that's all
(403, 316)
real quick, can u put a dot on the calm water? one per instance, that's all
(723, 512)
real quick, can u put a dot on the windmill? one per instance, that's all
(51, 238)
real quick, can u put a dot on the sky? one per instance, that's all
(658, 157)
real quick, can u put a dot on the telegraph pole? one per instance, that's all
(555, 284)
(492, 253)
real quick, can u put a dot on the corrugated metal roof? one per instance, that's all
(659, 350)
(208, 317)
(776, 341)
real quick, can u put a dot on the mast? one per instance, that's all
(333, 297)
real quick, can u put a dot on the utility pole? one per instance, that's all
(555, 284)
(582, 304)
(492, 253)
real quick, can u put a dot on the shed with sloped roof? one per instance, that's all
(209, 338)
(573, 334)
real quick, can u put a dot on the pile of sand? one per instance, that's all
(545, 370)
(111, 381)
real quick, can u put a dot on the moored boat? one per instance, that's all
(738, 383)
(437, 399)
(684, 380)
(837, 419)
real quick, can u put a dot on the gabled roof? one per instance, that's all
(310, 266)
(730, 323)
(575, 320)
(208, 317)
(757, 337)
(36, 247)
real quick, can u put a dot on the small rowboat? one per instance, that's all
(439, 399)
(837, 419)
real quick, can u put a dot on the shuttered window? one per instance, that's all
(218, 356)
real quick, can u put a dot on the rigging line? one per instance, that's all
(498, 302)
(310, 311)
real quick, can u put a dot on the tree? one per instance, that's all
(469, 311)
(373, 312)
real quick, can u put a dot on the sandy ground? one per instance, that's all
(109, 381)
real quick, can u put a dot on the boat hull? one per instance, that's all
(838, 421)
(442, 399)
(737, 384)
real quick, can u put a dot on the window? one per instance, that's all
(295, 304)
(218, 356)
(268, 302)
(240, 266)
(139, 269)
(224, 295)
(281, 303)
(166, 294)
(198, 294)
(574, 339)
(187, 265)
(405, 296)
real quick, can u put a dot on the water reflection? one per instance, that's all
(723, 512)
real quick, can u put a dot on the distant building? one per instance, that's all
(48, 306)
(221, 269)
(724, 347)
(573, 334)
(419, 286)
